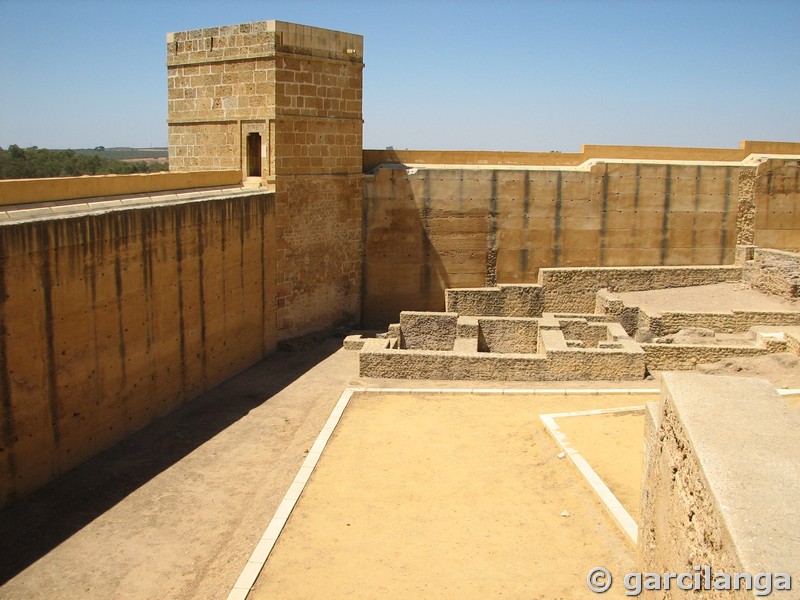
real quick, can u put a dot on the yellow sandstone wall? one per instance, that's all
(111, 320)
(220, 86)
(318, 189)
(428, 229)
(777, 205)
(49, 189)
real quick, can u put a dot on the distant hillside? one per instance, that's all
(33, 162)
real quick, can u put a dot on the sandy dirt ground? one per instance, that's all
(175, 510)
(782, 370)
(613, 445)
(446, 496)
(718, 297)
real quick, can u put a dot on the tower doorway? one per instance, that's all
(254, 154)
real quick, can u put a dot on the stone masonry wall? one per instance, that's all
(746, 214)
(111, 320)
(713, 493)
(774, 272)
(220, 86)
(300, 89)
(318, 139)
(684, 357)
(574, 290)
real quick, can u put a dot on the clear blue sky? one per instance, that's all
(488, 75)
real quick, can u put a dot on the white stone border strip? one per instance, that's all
(258, 558)
(792, 392)
(614, 506)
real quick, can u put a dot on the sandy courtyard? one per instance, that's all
(447, 496)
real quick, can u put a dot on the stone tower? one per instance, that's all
(281, 102)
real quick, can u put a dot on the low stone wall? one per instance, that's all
(634, 318)
(589, 333)
(417, 364)
(733, 322)
(575, 289)
(608, 304)
(499, 352)
(793, 343)
(567, 365)
(500, 301)
(683, 357)
(715, 491)
(507, 335)
(427, 330)
(774, 272)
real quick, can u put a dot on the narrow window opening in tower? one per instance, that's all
(254, 155)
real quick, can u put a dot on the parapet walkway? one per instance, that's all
(81, 206)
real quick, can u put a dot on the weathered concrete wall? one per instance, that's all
(777, 205)
(110, 320)
(715, 492)
(429, 229)
(373, 158)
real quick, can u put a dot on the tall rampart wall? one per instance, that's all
(777, 205)
(109, 320)
(428, 229)
(437, 226)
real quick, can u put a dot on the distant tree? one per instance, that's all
(19, 163)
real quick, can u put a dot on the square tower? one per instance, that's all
(267, 98)
(282, 103)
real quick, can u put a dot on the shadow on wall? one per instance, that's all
(30, 528)
(469, 226)
(402, 266)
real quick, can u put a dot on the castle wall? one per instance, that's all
(111, 320)
(777, 205)
(428, 229)
(14, 192)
